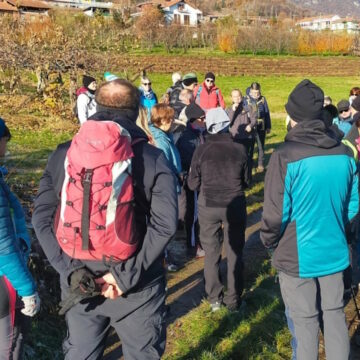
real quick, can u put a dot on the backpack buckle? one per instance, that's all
(88, 175)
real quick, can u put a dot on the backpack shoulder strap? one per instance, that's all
(198, 93)
(217, 95)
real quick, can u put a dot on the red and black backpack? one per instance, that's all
(96, 216)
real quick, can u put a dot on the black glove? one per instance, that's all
(82, 286)
(82, 282)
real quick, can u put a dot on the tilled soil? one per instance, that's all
(232, 65)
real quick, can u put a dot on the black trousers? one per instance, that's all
(260, 140)
(249, 144)
(212, 235)
(187, 214)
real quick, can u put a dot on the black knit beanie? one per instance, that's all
(87, 80)
(305, 102)
(193, 112)
(210, 75)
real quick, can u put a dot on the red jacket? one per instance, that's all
(208, 99)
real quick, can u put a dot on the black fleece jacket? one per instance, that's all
(155, 211)
(219, 169)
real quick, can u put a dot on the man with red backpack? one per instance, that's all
(207, 95)
(113, 198)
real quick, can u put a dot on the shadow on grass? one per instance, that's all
(263, 319)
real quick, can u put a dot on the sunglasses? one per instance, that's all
(209, 80)
(342, 111)
(147, 84)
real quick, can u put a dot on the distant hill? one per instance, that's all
(338, 7)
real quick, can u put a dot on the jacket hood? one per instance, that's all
(216, 120)
(125, 118)
(313, 133)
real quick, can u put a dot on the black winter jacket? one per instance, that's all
(155, 211)
(219, 169)
(188, 141)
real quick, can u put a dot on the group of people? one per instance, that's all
(110, 201)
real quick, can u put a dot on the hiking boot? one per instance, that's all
(200, 253)
(216, 306)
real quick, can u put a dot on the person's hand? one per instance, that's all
(31, 305)
(248, 128)
(268, 131)
(109, 287)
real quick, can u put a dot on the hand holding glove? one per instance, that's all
(31, 305)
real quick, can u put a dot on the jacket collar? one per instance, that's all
(313, 133)
(226, 136)
(214, 88)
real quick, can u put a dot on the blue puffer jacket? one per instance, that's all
(14, 242)
(165, 142)
(148, 100)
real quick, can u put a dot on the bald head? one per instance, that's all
(118, 94)
(186, 96)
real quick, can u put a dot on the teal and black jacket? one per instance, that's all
(311, 193)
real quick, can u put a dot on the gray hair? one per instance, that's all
(176, 76)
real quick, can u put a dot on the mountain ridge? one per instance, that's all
(349, 8)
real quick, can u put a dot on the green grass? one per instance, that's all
(256, 332)
(28, 153)
(276, 89)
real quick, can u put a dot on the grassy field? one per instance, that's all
(260, 331)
